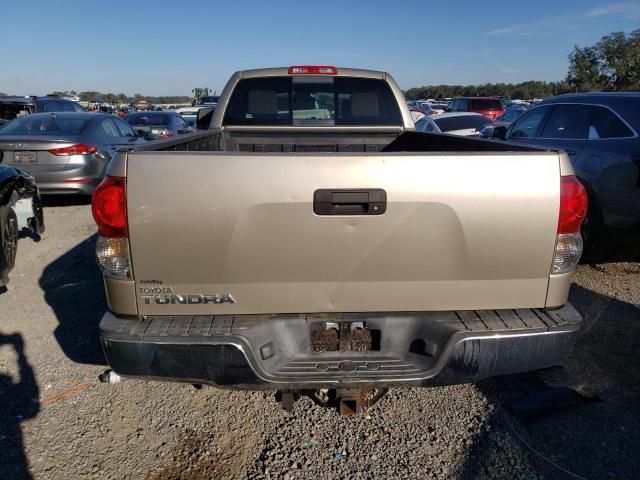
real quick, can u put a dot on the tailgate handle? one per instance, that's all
(351, 201)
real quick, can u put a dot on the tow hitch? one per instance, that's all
(347, 401)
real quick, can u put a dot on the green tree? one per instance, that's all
(611, 64)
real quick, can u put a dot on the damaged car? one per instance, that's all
(20, 214)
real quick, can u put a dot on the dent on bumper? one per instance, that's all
(274, 352)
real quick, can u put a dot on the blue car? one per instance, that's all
(599, 132)
(20, 210)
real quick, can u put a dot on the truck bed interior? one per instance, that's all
(330, 142)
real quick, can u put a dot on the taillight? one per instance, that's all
(573, 209)
(109, 208)
(80, 149)
(312, 70)
(573, 204)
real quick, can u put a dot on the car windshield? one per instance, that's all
(486, 104)
(462, 122)
(140, 119)
(313, 101)
(44, 125)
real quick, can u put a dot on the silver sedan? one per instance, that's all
(65, 152)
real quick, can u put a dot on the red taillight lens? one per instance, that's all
(74, 150)
(312, 70)
(109, 207)
(573, 204)
(166, 134)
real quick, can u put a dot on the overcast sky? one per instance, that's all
(169, 47)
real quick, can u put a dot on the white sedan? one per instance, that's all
(454, 123)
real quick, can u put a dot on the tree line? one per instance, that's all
(612, 64)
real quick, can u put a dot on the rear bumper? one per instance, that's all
(275, 352)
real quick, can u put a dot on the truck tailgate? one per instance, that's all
(460, 231)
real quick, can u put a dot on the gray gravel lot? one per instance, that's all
(57, 421)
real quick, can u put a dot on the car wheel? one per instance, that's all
(8, 241)
(593, 237)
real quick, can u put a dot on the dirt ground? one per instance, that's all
(57, 421)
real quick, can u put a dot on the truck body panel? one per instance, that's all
(460, 231)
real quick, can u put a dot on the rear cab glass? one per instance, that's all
(312, 101)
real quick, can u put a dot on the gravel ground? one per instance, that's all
(58, 421)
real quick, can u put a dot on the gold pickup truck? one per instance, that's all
(310, 240)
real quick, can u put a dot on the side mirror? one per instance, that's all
(500, 132)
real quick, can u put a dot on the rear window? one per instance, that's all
(606, 124)
(462, 122)
(44, 125)
(312, 101)
(486, 104)
(147, 119)
(10, 111)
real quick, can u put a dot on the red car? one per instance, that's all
(488, 106)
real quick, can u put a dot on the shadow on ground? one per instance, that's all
(18, 402)
(589, 440)
(72, 286)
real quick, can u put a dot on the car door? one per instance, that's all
(567, 127)
(527, 127)
(611, 163)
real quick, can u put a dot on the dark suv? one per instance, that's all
(12, 107)
(599, 132)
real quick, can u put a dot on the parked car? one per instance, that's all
(153, 125)
(439, 108)
(65, 152)
(416, 114)
(489, 106)
(190, 114)
(209, 100)
(599, 132)
(20, 210)
(504, 120)
(12, 107)
(454, 123)
(425, 108)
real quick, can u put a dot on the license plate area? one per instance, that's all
(25, 157)
(344, 337)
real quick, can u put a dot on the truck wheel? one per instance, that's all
(8, 241)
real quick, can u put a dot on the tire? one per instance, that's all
(8, 241)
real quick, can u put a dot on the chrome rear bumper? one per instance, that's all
(276, 352)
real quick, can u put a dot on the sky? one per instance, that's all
(170, 47)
